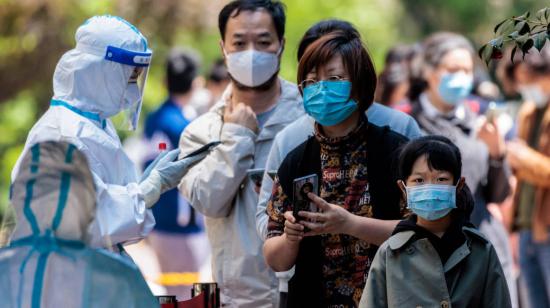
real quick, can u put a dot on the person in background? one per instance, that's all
(178, 237)
(102, 76)
(435, 257)
(254, 108)
(217, 81)
(332, 257)
(301, 129)
(49, 262)
(529, 157)
(393, 86)
(209, 91)
(394, 81)
(447, 65)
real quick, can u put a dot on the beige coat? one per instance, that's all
(409, 273)
(218, 187)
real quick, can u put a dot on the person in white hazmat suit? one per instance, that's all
(48, 262)
(103, 75)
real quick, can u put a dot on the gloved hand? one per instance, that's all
(165, 175)
(152, 165)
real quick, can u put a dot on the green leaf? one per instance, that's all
(524, 16)
(544, 15)
(514, 35)
(522, 27)
(499, 24)
(513, 53)
(522, 39)
(485, 53)
(497, 42)
(527, 46)
(539, 40)
(506, 27)
(541, 14)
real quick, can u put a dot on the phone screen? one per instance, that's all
(303, 186)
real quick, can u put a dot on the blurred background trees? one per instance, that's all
(35, 33)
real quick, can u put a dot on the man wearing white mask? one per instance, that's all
(103, 75)
(254, 108)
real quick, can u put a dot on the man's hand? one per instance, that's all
(241, 114)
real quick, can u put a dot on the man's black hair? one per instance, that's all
(181, 70)
(275, 8)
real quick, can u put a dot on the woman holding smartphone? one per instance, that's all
(358, 201)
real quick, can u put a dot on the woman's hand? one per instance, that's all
(293, 231)
(331, 219)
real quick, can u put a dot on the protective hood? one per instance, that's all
(88, 79)
(54, 193)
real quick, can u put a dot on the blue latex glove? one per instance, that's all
(152, 165)
(165, 174)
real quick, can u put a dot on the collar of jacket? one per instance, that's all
(399, 241)
(288, 108)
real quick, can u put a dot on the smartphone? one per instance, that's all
(204, 148)
(301, 202)
(492, 112)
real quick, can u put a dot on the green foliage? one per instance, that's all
(522, 32)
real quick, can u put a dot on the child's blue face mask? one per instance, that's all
(328, 102)
(431, 201)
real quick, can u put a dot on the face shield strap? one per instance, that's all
(123, 56)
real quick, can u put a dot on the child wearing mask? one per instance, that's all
(435, 257)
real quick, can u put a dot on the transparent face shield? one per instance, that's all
(132, 97)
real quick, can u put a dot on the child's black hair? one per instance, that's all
(440, 152)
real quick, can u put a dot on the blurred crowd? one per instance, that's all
(428, 180)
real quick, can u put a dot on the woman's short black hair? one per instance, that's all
(324, 27)
(441, 154)
(275, 8)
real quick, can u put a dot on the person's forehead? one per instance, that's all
(457, 57)
(250, 23)
(334, 64)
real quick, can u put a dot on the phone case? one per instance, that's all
(302, 186)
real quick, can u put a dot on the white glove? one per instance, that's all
(165, 175)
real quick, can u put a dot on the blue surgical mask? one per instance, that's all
(328, 102)
(431, 201)
(455, 87)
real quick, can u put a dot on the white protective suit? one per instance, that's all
(49, 263)
(88, 89)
